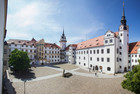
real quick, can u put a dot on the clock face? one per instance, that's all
(121, 28)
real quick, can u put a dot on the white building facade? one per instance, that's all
(39, 52)
(110, 53)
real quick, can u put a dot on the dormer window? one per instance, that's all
(106, 41)
(111, 40)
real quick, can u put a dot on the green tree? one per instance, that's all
(19, 60)
(132, 81)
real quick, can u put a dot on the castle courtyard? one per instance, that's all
(49, 80)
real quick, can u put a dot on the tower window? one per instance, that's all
(121, 34)
(120, 40)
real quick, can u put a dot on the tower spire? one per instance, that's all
(123, 20)
(123, 9)
(63, 31)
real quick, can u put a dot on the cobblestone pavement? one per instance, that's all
(82, 82)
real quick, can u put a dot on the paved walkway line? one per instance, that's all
(38, 78)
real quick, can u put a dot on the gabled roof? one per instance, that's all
(73, 45)
(95, 42)
(133, 47)
(50, 45)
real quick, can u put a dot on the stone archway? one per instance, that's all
(125, 69)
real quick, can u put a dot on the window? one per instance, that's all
(97, 51)
(129, 55)
(15, 45)
(79, 57)
(87, 52)
(136, 61)
(117, 50)
(132, 55)
(120, 40)
(108, 59)
(139, 55)
(84, 52)
(108, 69)
(121, 34)
(120, 67)
(79, 63)
(84, 58)
(129, 61)
(120, 59)
(108, 50)
(94, 51)
(120, 47)
(90, 58)
(128, 67)
(111, 40)
(97, 59)
(102, 59)
(90, 65)
(117, 59)
(132, 60)
(102, 51)
(90, 51)
(81, 52)
(120, 53)
(84, 64)
(106, 41)
(135, 55)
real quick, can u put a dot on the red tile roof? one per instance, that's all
(32, 42)
(73, 45)
(98, 41)
(133, 47)
(116, 34)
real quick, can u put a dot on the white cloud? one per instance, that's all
(18, 35)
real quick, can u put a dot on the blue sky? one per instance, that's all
(81, 19)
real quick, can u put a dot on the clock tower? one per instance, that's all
(123, 41)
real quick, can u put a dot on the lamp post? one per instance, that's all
(24, 86)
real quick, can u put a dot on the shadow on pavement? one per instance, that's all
(28, 75)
